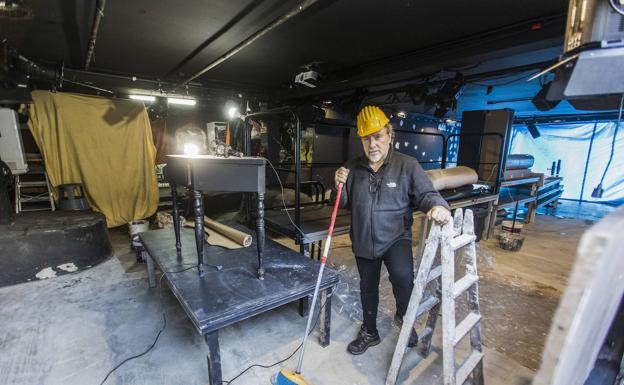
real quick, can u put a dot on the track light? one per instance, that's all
(144, 98)
(181, 101)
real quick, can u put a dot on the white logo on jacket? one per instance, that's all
(391, 184)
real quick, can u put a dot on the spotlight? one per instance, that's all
(231, 109)
(446, 98)
(191, 148)
(181, 101)
(401, 114)
(418, 93)
(144, 98)
(533, 130)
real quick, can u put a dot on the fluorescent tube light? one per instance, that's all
(145, 98)
(185, 102)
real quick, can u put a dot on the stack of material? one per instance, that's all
(518, 166)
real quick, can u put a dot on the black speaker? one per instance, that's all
(541, 102)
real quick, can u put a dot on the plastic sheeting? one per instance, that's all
(571, 143)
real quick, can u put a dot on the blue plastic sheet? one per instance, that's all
(571, 143)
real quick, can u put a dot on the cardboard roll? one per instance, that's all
(222, 235)
(450, 178)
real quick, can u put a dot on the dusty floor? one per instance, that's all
(73, 329)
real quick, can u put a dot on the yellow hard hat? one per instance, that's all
(370, 120)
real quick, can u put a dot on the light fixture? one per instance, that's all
(145, 98)
(533, 130)
(191, 148)
(401, 114)
(231, 109)
(181, 101)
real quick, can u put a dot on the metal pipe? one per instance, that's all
(298, 174)
(591, 144)
(258, 34)
(227, 27)
(99, 13)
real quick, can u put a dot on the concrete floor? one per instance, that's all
(73, 329)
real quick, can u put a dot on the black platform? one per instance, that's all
(314, 222)
(48, 239)
(234, 293)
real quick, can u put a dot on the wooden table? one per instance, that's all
(225, 296)
(203, 173)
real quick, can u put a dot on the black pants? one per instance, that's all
(400, 265)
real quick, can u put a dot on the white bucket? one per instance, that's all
(139, 226)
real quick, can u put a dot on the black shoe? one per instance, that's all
(413, 340)
(363, 341)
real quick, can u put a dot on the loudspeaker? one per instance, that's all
(483, 152)
(541, 102)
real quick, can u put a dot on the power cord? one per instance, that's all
(162, 329)
(228, 382)
(282, 195)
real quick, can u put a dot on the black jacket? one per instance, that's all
(382, 203)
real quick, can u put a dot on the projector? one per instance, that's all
(308, 78)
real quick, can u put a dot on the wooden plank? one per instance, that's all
(588, 305)
(468, 366)
(465, 326)
(461, 241)
(431, 247)
(464, 284)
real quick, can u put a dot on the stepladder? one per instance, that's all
(436, 288)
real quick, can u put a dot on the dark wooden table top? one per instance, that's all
(224, 297)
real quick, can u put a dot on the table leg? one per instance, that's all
(214, 358)
(320, 250)
(198, 207)
(151, 277)
(304, 306)
(304, 249)
(493, 219)
(260, 235)
(486, 227)
(176, 217)
(325, 321)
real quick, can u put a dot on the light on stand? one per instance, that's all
(191, 149)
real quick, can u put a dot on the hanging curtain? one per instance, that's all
(106, 145)
(571, 144)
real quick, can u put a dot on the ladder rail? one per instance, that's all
(443, 291)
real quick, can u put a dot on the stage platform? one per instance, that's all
(45, 244)
(233, 293)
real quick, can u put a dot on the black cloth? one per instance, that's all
(382, 202)
(399, 262)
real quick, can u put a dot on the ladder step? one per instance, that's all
(465, 326)
(434, 273)
(468, 366)
(425, 333)
(427, 305)
(37, 183)
(464, 284)
(462, 240)
(24, 199)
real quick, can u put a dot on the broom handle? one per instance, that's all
(320, 276)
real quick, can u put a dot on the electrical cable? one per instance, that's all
(159, 332)
(616, 8)
(283, 360)
(617, 126)
(282, 195)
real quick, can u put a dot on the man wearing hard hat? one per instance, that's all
(382, 189)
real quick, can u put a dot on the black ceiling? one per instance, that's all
(149, 38)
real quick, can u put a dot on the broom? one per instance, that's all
(289, 377)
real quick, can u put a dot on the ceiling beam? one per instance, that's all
(248, 41)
